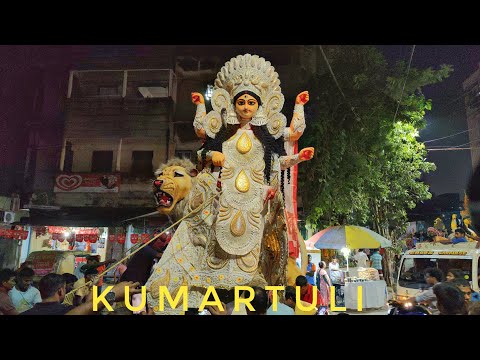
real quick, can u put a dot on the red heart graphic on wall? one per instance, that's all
(68, 182)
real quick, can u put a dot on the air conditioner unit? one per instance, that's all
(10, 217)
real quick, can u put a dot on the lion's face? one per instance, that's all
(171, 186)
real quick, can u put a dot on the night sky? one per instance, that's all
(448, 110)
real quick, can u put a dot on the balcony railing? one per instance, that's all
(132, 84)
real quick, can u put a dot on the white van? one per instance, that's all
(411, 274)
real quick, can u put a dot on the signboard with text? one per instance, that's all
(91, 183)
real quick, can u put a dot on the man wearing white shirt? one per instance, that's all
(23, 294)
(336, 277)
(361, 258)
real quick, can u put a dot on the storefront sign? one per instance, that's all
(43, 263)
(91, 183)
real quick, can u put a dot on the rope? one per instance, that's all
(69, 296)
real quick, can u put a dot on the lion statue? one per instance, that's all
(172, 185)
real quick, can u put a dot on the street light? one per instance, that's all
(346, 252)
(209, 92)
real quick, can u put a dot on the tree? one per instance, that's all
(368, 162)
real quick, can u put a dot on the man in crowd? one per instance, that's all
(336, 277)
(376, 260)
(285, 306)
(311, 268)
(450, 300)
(361, 258)
(459, 236)
(83, 289)
(307, 292)
(466, 289)
(93, 262)
(433, 276)
(53, 288)
(7, 282)
(23, 294)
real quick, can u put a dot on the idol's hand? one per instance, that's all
(302, 98)
(201, 133)
(197, 98)
(306, 154)
(218, 158)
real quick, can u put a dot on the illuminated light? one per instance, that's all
(209, 92)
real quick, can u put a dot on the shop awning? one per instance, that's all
(83, 216)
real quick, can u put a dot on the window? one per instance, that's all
(102, 161)
(412, 273)
(68, 164)
(107, 90)
(184, 154)
(142, 164)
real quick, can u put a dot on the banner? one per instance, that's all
(91, 183)
(43, 262)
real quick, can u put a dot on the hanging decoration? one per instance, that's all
(134, 238)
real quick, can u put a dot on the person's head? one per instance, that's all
(360, 250)
(24, 279)
(53, 287)
(322, 265)
(70, 280)
(259, 302)
(90, 273)
(290, 296)
(92, 259)
(303, 283)
(450, 300)
(7, 279)
(157, 245)
(246, 104)
(464, 287)
(334, 260)
(433, 276)
(473, 194)
(453, 274)
(309, 257)
(459, 232)
(27, 263)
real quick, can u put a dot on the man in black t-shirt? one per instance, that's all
(141, 263)
(52, 289)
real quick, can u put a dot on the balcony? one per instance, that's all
(109, 91)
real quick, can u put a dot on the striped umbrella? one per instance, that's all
(350, 236)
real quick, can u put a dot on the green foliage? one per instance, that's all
(367, 167)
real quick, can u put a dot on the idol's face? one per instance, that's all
(246, 106)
